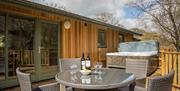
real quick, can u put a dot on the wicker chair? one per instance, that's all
(70, 64)
(159, 83)
(162, 83)
(25, 83)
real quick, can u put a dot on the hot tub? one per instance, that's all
(139, 58)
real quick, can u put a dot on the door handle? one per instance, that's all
(39, 50)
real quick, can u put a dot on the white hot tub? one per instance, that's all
(139, 58)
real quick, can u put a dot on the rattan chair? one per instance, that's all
(162, 83)
(159, 83)
(70, 64)
(25, 83)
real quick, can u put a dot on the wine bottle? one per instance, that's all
(83, 66)
(88, 62)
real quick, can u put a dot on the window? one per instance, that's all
(120, 37)
(29, 44)
(2, 46)
(20, 44)
(101, 39)
(49, 47)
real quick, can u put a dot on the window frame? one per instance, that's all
(5, 46)
(123, 37)
(102, 45)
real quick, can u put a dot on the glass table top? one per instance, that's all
(105, 79)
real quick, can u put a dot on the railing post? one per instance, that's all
(162, 63)
(170, 60)
(178, 69)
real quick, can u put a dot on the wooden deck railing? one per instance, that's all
(45, 57)
(171, 60)
(25, 57)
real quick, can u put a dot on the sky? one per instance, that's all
(127, 16)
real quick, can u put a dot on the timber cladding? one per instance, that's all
(81, 37)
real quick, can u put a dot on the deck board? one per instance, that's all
(140, 84)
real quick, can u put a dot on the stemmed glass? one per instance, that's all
(98, 67)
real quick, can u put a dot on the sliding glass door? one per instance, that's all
(49, 48)
(20, 45)
(2, 47)
(30, 44)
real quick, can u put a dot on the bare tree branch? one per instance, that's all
(165, 14)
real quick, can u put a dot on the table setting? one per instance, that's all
(97, 78)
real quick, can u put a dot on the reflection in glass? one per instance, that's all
(2, 45)
(73, 77)
(85, 79)
(49, 45)
(20, 45)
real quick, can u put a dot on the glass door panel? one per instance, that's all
(49, 47)
(20, 45)
(2, 47)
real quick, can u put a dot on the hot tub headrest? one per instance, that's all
(140, 46)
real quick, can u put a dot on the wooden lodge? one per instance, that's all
(35, 36)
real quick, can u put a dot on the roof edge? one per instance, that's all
(65, 13)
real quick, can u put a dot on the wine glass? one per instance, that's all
(99, 67)
(95, 68)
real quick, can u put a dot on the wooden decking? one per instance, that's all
(16, 88)
(139, 86)
(170, 59)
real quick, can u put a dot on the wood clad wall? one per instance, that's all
(81, 37)
(128, 37)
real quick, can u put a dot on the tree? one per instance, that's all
(52, 3)
(165, 14)
(108, 18)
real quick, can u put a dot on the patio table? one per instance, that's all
(108, 79)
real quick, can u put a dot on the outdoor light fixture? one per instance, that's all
(67, 24)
